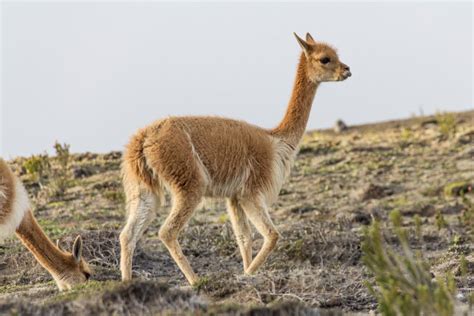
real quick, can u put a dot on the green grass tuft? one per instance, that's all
(458, 188)
(201, 284)
(447, 124)
(403, 282)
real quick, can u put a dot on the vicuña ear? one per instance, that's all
(305, 46)
(77, 249)
(310, 39)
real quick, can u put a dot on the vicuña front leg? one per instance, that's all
(241, 227)
(141, 209)
(182, 210)
(258, 215)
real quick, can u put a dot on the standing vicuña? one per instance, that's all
(194, 157)
(67, 269)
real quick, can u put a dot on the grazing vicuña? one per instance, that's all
(67, 269)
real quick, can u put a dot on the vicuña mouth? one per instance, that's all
(346, 75)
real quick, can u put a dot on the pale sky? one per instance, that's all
(89, 74)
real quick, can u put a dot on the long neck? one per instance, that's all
(47, 254)
(293, 125)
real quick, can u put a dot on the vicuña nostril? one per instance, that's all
(347, 68)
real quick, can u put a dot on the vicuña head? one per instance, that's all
(75, 268)
(322, 64)
(67, 268)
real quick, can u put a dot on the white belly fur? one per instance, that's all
(20, 206)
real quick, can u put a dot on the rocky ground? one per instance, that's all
(341, 182)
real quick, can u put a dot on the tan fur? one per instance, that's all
(7, 192)
(67, 269)
(196, 157)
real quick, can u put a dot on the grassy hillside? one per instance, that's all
(341, 182)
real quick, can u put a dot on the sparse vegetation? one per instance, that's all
(440, 221)
(458, 188)
(446, 123)
(51, 173)
(60, 177)
(418, 224)
(406, 137)
(38, 167)
(342, 184)
(115, 196)
(404, 285)
(467, 217)
(201, 283)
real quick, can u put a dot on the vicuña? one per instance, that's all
(67, 269)
(195, 157)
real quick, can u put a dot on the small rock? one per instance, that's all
(423, 211)
(113, 155)
(466, 138)
(107, 184)
(86, 156)
(429, 123)
(461, 297)
(340, 126)
(82, 172)
(285, 192)
(361, 218)
(302, 209)
(373, 191)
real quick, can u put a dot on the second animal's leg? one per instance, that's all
(241, 227)
(141, 212)
(183, 207)
(258, 215)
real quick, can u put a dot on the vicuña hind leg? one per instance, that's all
(258, 215)
(141, 209)
(183, 207)
(241, 227)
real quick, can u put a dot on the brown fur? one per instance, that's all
(7, 193)
(67, 269)
(196, 157)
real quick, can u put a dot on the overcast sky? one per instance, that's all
(90, 74)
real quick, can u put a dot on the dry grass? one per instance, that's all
(339, 185)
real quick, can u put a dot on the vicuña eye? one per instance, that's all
(325, 60)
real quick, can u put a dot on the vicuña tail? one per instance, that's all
(136, 172)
